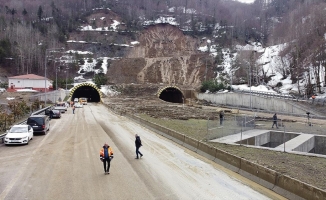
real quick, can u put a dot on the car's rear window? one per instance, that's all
(37, 120)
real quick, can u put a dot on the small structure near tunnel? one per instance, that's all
(86, 90)
(171, 94)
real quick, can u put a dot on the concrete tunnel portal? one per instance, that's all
(87, 90)
(171, 94)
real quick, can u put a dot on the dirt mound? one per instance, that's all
(164, 55)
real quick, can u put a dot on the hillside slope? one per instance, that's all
(163, 55)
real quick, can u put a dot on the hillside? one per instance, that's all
(165, 55)
(135, 43)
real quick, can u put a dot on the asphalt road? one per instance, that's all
(64, 164)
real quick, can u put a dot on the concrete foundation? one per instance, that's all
(279, 141)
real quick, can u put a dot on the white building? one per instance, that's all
(29, 81)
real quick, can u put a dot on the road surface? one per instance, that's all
(65, 164)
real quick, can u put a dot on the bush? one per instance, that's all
(212, 86)
(100, 79)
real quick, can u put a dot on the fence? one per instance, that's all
(229, 125)
(58, 95)
(268, 94)
(235, 124)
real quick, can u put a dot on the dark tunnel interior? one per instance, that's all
(88, 92)
(172, 95)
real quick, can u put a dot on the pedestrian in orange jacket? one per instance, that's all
(106, 155)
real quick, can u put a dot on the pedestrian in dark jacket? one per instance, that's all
(274, 121)
(138, 144)
(106, 155)
(221, 117)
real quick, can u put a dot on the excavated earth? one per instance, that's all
(309, 169)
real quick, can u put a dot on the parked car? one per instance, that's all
(39, 123)
(19, 134)
(55, 113)
(61, 106)
(48, 111)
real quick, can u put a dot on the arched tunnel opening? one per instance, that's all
(172, 95)
(88, 92)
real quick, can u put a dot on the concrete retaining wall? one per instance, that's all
(320, 144)
(258, 173)
(307, 146)
(283, 185)
(262, 139)
(257, 102)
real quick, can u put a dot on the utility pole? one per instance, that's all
(208, 46)
(66, 78)
(45, 69)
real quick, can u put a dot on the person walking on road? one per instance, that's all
(106, 155)
(138, 145)
(313, 98)
(274, 121)
(73, 109)
(221, 117)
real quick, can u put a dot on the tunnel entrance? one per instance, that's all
(87, 90)
(171, 94)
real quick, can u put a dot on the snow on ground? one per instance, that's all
(260, 88)
(108, 90)
(112, 27)
(115, 25)
(162, 20)
(246, 1)
(183, 9)
(134, 42)
(78, 52)
(88, 66)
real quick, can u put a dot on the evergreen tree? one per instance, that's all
(40, 13)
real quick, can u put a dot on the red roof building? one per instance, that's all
(29, 81)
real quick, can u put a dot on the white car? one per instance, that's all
(78, 105)
(19, 134)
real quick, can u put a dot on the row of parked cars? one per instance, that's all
(23, 133)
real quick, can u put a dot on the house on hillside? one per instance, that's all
(29, 81)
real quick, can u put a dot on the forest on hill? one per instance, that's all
(28, 28)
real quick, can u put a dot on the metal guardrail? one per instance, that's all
(293, 100)
(267, 94)
(24, 121)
